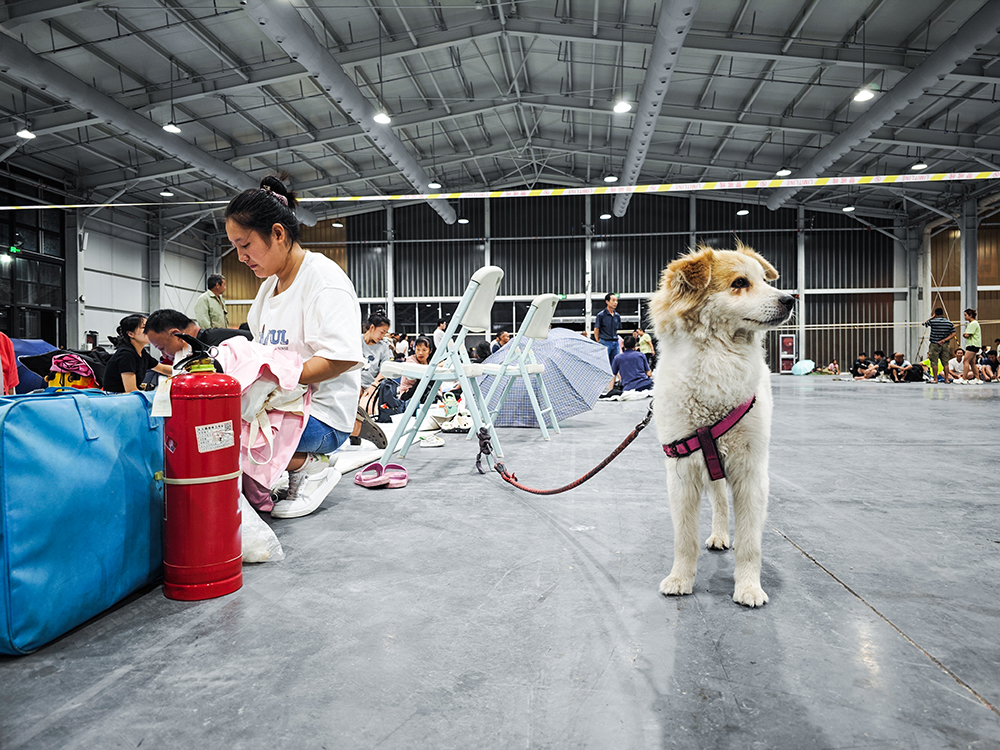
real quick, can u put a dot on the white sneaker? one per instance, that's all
(308, 487)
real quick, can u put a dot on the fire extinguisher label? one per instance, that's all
(215, 437)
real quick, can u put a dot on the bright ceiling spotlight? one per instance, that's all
(743, 212)
(434, 185)
(382, 118)
(847, 209)
(338, 224)
(463, 221)
(171, 127)
(919, 166)
(25, 133)
(622, 106)
(166, 193)
(611, 178)
(864, 95)
(605, 217)
(783, 172)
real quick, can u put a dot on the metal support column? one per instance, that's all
(390, 271)
(76, 304)
(800, 278)
(918, 303)
(587, 257)
(970, 255)
(156, 275)
(900, 300)
(487, 257)
(692, 222)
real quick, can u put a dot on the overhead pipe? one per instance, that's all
(975, 33)
(20, 63)
(672, 27)
(281, 22)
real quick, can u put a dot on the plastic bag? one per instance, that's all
(259, 543)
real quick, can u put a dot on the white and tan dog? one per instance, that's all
(710, 315)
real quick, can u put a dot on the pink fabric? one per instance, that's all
(71, 363)
(247, 361)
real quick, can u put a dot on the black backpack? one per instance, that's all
(384, 403)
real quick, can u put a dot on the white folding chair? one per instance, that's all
(451, 362)
(520, 362)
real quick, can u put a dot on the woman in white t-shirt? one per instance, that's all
(308, 305)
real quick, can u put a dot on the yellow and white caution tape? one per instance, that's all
(675, 187)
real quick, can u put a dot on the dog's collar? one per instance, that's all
(705, 438)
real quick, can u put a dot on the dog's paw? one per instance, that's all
(718, 541)
(676, 586)
(750, 596)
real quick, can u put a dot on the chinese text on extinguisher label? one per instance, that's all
(215, 437)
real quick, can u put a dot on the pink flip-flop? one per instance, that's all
(373, 475)
(396, 475)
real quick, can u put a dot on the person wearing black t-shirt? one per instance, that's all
(127, 367)
(163, 324)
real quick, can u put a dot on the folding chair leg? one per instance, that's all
(408, 429)
(503, 396)
(534, 402)
(480, 414)
(547, 404)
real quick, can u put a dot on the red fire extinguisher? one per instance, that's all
(202, 551)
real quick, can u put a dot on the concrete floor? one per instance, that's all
(460, 613)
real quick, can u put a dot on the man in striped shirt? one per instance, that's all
(942, 331)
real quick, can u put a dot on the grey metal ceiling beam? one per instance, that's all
(20, 63)
(282, 23)
(672, 27)
(344, 134)
(981, 28)
(18, 14)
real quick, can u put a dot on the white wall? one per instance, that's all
(116, 277)
(183, 280)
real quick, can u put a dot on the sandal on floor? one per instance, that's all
(373, 475)
(396, 476)
(431, 442)
(371, 431)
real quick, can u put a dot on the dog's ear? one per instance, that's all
(691, 272)
(770, 272)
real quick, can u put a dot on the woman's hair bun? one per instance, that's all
(275, 183)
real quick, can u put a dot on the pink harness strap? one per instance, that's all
(704, 439)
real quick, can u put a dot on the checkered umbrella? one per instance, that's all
(576, 373)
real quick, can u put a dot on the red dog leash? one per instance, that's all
(704, 439)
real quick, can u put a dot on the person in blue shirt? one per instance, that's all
(606, 326)
(632, 368)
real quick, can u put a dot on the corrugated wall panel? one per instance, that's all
(541, 265)
(437, 269)
(366, 266)
(562, 216)
(848, 258)
(630, 265)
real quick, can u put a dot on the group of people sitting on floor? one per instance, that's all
(972, 363)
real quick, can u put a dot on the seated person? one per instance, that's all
(956, 363)
(483, 351)
(990, 368)
(502, 339)
(863, 368)
(163, 324)
(902, 371)
(421, 355)
(631, 368)
(375, 351)
(126, 370)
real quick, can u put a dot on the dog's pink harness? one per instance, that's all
(705, 439)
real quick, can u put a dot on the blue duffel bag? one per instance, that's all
(81, 509)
